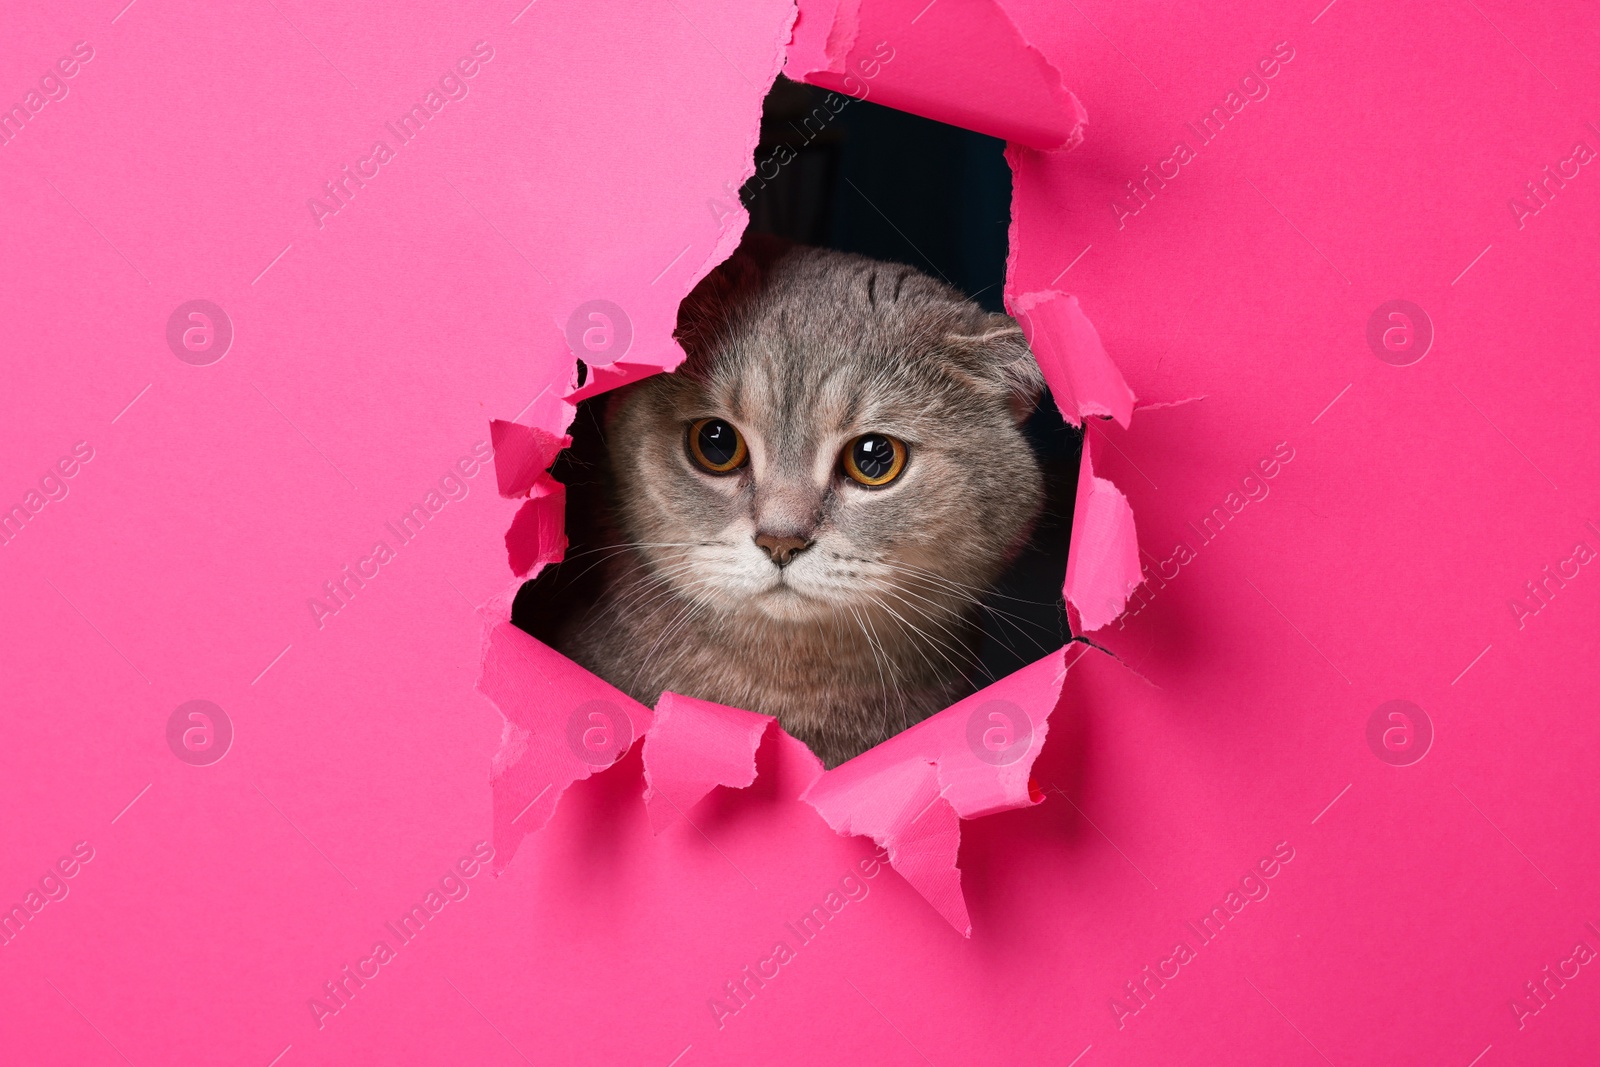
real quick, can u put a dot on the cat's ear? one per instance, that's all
(996, 353)
(704, 314)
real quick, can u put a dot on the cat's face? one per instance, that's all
(842, 443)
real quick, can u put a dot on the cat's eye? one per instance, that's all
(716, 447)
(874, 459)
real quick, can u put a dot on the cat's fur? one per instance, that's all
(872, 628)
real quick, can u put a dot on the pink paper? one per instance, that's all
(1082, 378)
(248, 558)
(693, 747)
(961, 62)
(1103, 566)
(562, 725)
(910, 793)
(538, 532)
(524, 453)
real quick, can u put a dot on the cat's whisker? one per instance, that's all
(653, 581)
(956, 643)
(1017, 626)
(900, 687)
(665, 589)
(667, 670)
(872, 645)
(682, 619)
(611, 552)
(648, 584)
(653, 589)
(913, 634)
(1015, 620)
(1053, 639)
(977, 593)
(619, 545)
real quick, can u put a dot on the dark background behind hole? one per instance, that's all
(889, 185)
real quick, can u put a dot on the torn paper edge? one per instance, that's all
(822, 60)
(860, 796)
(540, 755)
(1103, 556)
(692, 747)
(824, 34)
(910, 793)
(1066, 99)
(1083, 379)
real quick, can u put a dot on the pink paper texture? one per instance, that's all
(1082, 378)
(562, 725)
(692, 747)
(909, 793)
(963, 62)
(690, 755)
(1329, 799)
(524, 452)
(1103, 567)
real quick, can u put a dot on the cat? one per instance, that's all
(802, 519)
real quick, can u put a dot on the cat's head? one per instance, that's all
(843, 438)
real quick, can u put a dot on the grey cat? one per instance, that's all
(804, 516)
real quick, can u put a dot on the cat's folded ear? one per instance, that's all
(995, 353)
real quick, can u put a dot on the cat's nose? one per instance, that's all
(781, 549)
